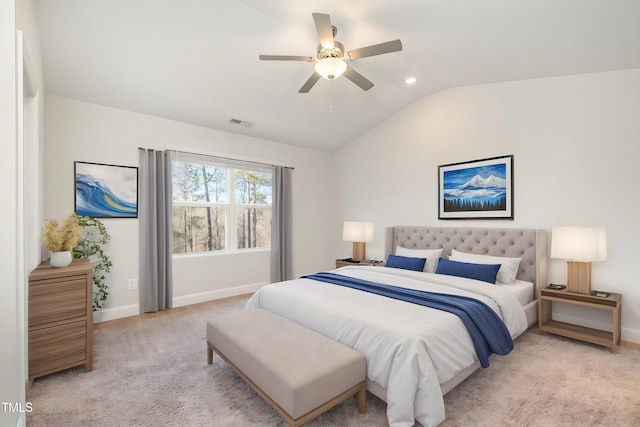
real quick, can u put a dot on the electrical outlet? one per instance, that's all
(577, 309)
(133, 284)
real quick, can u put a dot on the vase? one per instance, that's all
(60, 259)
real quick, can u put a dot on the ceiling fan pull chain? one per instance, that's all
(331, 94)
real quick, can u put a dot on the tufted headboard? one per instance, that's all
(526, 243)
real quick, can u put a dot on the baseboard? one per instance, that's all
(630, 345)
(216, 294)
(631, 337)
(562, 317)
(113, 313)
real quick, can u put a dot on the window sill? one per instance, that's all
(221, 253)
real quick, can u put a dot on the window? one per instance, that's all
(219, 205)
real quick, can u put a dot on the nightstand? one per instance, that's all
(341, 263)
(612, 303)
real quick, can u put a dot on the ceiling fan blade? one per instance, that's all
(309, 83)
(325, 31)
(285, 58)
(358, 79)
(376, 49)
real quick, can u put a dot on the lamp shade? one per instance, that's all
(357, 231)
(584, 244)
(330, 68)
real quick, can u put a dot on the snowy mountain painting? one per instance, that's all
(476, 189)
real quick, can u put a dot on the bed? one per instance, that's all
(415, 355)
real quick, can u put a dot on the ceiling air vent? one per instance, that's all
(241, 122)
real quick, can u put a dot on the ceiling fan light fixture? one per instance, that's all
(331, 68)
(331, 57)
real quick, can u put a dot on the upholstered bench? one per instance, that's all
(299, 372)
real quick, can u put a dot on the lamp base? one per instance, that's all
(359, 250)
(579, 277)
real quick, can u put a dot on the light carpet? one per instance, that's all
(154, 372)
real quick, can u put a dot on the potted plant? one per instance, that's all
(60, 241)
(90, 245)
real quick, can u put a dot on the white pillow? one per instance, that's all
(432, 256)
(508, 266)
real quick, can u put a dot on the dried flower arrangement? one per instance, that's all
(64, 238)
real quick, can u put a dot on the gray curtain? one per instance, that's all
(281, 264)
(155, 281)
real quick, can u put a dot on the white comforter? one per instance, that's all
(410, 349)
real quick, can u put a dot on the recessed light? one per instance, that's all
(410, 80)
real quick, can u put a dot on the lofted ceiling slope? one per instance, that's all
(196, 61)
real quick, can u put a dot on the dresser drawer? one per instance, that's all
(51, 301)
(55, 347)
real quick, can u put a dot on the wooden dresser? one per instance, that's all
(60, 318)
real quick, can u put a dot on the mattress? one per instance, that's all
(523, 291)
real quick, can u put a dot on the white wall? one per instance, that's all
(19, 158)
(88, 132)
(10, 389)
(576, 142)
(27, 23)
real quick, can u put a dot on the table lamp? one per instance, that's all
(579, 246)
(358, 232)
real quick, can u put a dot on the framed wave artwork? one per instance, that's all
(479, 189)
(106, 191)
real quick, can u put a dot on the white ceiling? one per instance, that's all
(196, 61)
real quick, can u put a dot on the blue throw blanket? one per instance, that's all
(488, 332)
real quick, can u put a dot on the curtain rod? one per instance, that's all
(223, 158)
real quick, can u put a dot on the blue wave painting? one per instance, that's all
(105, 191)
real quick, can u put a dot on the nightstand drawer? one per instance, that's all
(55, 347)
(51, 301)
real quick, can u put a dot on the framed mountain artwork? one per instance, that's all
(478, 189)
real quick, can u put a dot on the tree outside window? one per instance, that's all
(253, 208)
(209, 201)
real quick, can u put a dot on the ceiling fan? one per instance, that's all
(331, 57)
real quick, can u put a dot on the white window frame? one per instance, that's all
(231, 206)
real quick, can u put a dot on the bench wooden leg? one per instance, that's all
(362, 399)
(209, 354)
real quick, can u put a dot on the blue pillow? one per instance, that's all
(406, 263)
(484, 272)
